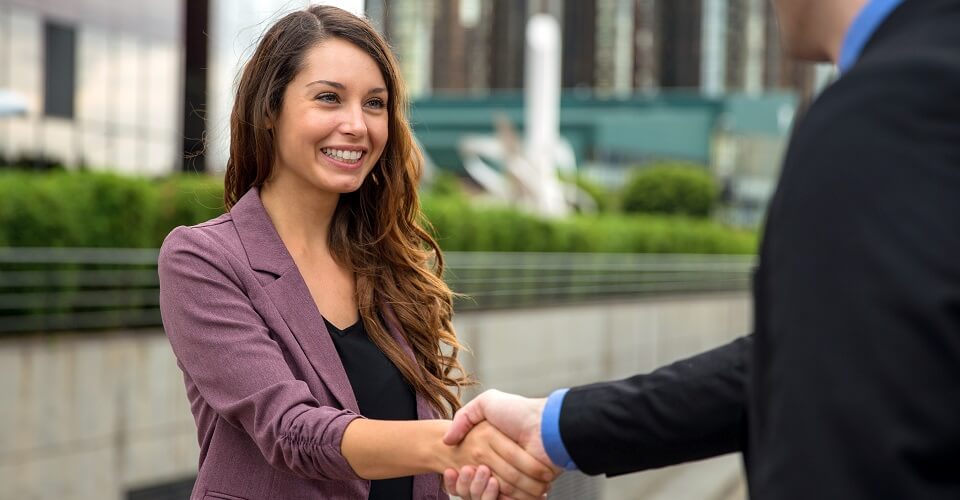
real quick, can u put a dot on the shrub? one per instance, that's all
(83, 210)
(671, 189)
(444, 184)
(106, 210)
(605, 200)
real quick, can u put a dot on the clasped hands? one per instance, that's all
(518, 467)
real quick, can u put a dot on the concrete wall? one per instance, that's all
(93, 416)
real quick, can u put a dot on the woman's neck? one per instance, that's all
(301, 215)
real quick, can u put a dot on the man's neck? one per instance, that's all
(843, 13)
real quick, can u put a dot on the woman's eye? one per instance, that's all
(376, 103)
(328, 98)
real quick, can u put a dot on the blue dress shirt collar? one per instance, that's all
(862, 29)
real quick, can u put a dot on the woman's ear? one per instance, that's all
(268, 119)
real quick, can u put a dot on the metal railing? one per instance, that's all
(55, 289)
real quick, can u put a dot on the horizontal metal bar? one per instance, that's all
(575, 277)
(79, 299)
(99, 278)
(470, 258)
(32, 255)
(608, 289)
(40, 286)
(80, 320)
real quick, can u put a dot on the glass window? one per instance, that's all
(93, 75)
(94, 149)
(26, 34)
(161, 95)
(160, 155)
(127, 150)
(59, 69)
(125, 75)
(58, 142)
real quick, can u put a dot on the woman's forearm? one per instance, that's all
(381, 449)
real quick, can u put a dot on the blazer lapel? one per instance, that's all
(424, 410)
(426, 486)
(290, 295)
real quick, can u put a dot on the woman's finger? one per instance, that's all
(479, 483)
(450, 481)
(492, 490)
(463, 482)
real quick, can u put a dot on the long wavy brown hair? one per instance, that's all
(377, 231)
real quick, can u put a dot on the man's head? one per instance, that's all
(813, 30)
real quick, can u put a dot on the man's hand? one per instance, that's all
(515, 416)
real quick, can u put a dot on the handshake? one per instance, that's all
(514, 472)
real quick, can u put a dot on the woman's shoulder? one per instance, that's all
(211, 238)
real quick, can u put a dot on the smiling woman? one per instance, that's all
(332, 127)
(311, 321)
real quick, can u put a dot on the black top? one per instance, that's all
(850, 386)
(381, 391)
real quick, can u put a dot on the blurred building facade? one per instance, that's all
(101, 80)
(145, 87)
(610, 47)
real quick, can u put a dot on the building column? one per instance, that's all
(756, 46)
(713, 47)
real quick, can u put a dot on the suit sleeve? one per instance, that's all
(223, 346)
(692, 409)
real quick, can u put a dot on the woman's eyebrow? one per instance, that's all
(338, 85)
(335, 85)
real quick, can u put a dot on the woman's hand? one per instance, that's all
(472, 483)
(518, 474)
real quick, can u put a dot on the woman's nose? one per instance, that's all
(353, 121)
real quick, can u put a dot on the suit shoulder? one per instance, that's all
(888, 102)
(209, 239)
(898, 82)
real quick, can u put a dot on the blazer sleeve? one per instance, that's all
(692, 409)
(224, 347)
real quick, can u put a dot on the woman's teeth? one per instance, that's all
(342, 155)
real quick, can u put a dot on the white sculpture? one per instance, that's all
(529, 177)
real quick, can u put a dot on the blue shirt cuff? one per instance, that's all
(550, 431)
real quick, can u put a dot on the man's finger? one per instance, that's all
(522, 460)
(513, 482)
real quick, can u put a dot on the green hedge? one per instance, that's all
(105, 210)
(671, 189)
(463, 227)
(100, 210)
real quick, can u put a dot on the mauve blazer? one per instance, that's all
(266, 387)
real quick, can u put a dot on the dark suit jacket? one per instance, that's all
(850, 386)
(267, 389)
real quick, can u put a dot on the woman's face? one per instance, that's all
(333, 123)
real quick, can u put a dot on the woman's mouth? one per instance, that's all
(342, 155)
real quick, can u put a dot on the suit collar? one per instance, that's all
(259, 237)
(902, 23)
(863, 28)
(290, 294)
